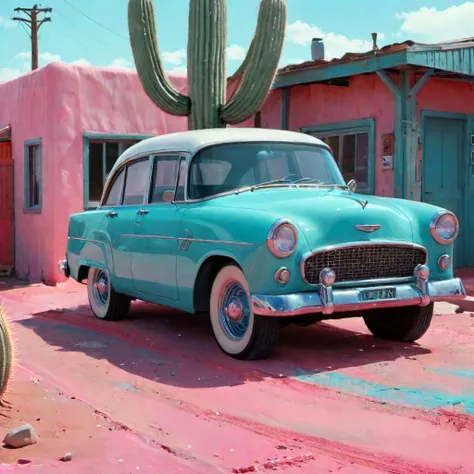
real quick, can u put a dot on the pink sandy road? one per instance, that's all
(330, 400)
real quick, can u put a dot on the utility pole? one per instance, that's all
(34, 23)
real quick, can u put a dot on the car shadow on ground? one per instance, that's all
(179, 349)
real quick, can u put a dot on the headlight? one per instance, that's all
(444, 227)
(282, 238)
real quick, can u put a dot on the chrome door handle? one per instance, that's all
(142, 212)
(111, 214)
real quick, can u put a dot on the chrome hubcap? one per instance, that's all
(234, 311)
(101, 288)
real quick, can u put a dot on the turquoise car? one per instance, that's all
(258, 229)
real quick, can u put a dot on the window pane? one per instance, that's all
(348, 157)
(362, 161)
(136, 184)
(115, 194)
(314, 166)
(96, 177)
(111, 155)
(333, 143)
(274, 167)
(33, 175)
(166, 170)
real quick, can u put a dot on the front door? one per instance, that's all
(444, 169)
(157, 227)
(6, 209)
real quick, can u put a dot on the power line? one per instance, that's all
(34, 23)
(95, 21)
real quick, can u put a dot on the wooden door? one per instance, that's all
(6, 209)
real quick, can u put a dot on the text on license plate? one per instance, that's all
(378, 294)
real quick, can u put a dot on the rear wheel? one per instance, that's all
(406, 324)
(239, 333)
(105, 302)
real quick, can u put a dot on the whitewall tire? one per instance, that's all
(104, 301)
(238, 332)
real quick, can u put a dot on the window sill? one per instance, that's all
(32, 210)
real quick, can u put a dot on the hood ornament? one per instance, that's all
(363, 203)
(367, 227)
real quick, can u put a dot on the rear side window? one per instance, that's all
(114, 197)
(136, 182)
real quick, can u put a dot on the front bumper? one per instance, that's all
(329, 300)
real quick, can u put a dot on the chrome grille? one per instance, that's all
(365, 262)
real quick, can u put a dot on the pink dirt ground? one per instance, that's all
(155, 394)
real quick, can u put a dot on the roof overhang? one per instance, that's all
(5, 133)
(449, 59)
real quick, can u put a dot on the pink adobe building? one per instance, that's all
(63, 128)
(399, 119)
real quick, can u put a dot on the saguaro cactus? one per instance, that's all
(206, 106)
(6, 356)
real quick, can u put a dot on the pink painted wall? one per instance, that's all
(446, 96)
(59, 103)
(317, 104)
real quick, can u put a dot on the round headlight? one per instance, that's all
(444, 227)
(282, 239)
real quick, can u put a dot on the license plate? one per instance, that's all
(378, 294)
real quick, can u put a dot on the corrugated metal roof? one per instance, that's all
(409, 46)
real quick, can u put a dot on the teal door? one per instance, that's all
(157, 228)
(444, 169)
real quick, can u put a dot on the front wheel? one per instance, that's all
(406, 324)
(239, 333)
(105, 302)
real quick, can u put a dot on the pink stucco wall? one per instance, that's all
(446, 96)
(59, 103)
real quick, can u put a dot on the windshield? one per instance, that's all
(223, 168)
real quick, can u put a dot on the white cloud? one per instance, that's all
(335, 45)
(7, 23)
(44, 58)
(174, 57)
(235, 52)
(6, 74)
(179, 71)
(121, 63)
(432, 25)
(81, 62)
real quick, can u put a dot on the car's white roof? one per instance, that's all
(193, 140)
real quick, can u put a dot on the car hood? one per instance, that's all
(328, 216)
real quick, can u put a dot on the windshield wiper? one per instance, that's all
(308, 180)
(262, 185)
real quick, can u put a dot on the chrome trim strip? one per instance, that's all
(349, 299)
(381, 243)
(167, 237)
(86, 240)
(434, 221)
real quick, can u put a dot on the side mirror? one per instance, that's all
(168, 196)
(352, 185)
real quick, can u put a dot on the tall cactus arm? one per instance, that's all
(6, 355)
(146, 54)
(262, 63)
(233, 82)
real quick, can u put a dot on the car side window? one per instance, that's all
(136, 182)
(114, 198)
(164, 181)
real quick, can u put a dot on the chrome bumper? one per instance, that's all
(329, 300)
(63, 267)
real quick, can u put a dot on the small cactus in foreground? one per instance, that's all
(206, 106)
(6, 356)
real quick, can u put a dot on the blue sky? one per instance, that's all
(345, 25)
